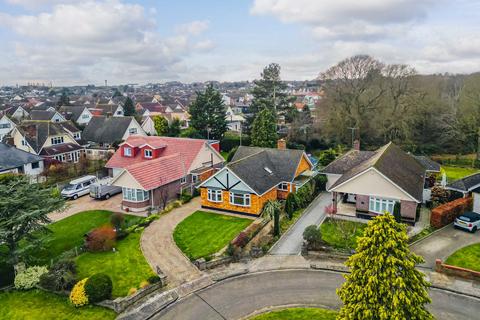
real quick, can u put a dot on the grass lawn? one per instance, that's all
(127, 266)
(455, 173)
(38, 305)
(298, 314)
(285, 223)
(332, 235)
(68, 233)
(224, 154)
(467, 257)
(204, 233)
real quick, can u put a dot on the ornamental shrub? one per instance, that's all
(241, 240)
(30, 277)
(153, 279)
(313, 236)
(78, 296)
(132, 291)
(101, 239)
(290, 205)
(117, 220)
(98, 287)
(144, 284)
(61, 276)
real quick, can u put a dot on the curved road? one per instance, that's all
(241, 296)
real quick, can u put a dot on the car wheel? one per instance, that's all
(474, 229)
(107, 196)
(75, 197)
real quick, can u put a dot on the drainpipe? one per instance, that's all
(151, 199)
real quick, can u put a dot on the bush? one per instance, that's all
(185, 198)
(144, 284)
(30, 277)
(241, 240)
(320, 181)
(327, 157)
(290, 205)
(446, 213)
(100, 239)
(117, 220)
(98, 287)
(61, 276)
(78, 296)
(231, 154)
(153, 279)
(313, 236)
(132, 291)
(304, 196)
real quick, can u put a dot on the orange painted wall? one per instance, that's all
(304, 165)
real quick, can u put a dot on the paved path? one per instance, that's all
(242, 296)
(290, 243)
(442, 244)
(160, 249)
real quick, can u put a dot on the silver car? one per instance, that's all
(469, 221)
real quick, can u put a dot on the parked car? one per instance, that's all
(78, 187)
(104, 190)
(469, 221)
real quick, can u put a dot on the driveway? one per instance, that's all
(442, 244)
(160, 249)
(290, 243)
(239, 297)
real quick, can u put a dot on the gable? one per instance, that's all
(206, 154)
(126, 180)
(226, 180)
(303, 165)
(371, 182)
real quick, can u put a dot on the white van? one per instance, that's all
(78, 187)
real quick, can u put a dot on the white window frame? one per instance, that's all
(127, 152)
(77, 135)
(85, 116)
(381, 205)
(150, 155)
(283, 186)
(214, 195)
(132, 130)
(183, 180)
(135, 195)
(195, 178)
(56, 140)
(245, 196)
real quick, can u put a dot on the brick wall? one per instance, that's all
(408, 209)
(362, 203)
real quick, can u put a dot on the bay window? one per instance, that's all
(240, 199)
(379, 205)
(214, 195)
(135, 195)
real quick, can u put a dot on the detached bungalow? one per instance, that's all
(255, 176)
(13, 160)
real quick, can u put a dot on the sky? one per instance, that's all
(72, 42)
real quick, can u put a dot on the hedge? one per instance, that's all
(446, 213)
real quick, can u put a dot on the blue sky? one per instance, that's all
(133, 41)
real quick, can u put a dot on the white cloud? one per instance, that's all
(194, 27)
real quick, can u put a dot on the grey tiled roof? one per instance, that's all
(11, 157)
(346, 162)
(466, 184)
(428, 163)
(106, 129)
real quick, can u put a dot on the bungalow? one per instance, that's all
(42, 115)
(369, 183)
(79, 114)
(13, 160)
(155, 170)
(465, 185)
(109, 110)
(254, 176)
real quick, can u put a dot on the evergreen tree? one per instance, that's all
(208, 113)
(174, 128)
(290, 205)
(116, 93)
(384, 283)
(64, 99)
(272, 210)
(161, 125)
(264, 133)
(129, 107)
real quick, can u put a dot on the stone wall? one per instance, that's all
(447, 269)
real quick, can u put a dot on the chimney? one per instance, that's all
(356, 145)
(282, 144)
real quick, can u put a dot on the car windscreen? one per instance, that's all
(464, 218)
(69, 187)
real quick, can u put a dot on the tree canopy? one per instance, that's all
(129, 107)
(264, 133)
(161, 125)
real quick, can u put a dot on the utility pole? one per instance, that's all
(353, 133)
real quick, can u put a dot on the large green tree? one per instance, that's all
(24, 209)
(161, 125)
(384, 283)
(174, 128)
(129, 107)
(208, 113)
(264, 133)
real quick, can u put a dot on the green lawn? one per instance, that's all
(126, 266)
(455, 173)
(205, 233)
(224, 154)
(332, 235)
(39, 305)
(298, 314)
(467, 257)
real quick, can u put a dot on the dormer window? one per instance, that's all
(76, 135)
(56, 140)
(148, 153)
(127, 152)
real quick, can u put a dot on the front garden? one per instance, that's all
(298, 314)
(341, 234)
(467, 257)
(455, 173)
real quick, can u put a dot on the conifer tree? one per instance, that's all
(264, 133)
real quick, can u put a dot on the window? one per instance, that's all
(240, 199)
(132, 130)
(56, 140)
(148, 153)
(195, 178)
(135, 195)
(127, 152)
(35, 165)
(4, 125)
(379, 205)
(283, 186)
(24, 142)
(214, 195)
(183, 180)
(76, 135)
(85, 116)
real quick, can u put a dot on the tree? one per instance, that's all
(24, 209)
(161, 125)
(64, 99)
(327, 156)
(290, 205)
(116, 93)
(272, 210)
(174, 128)
(384, 283)
(129, 107)
(313, 236)
(264, 133)
(208, 113)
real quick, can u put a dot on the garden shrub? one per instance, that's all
(446, 213)
(98, 287)
(231, 154)
(144, 284)
(101, 239)
(185, 198)
(290, 205)
(304, 195)
(153, 279)
(30, 277)
(320, 181)
(117, 219)
(132, 291)
(327, 156)
(61, 276)
(241, 240)
(312, 236)
(78, 296)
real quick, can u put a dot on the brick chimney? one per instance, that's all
(356, 145)
(282, 144)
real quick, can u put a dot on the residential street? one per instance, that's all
(442, 244)
(291, 242)
(241, 296)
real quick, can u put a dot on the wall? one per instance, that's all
(363, 202)
(476, 202)
(171, 190)
(408, 210)
(331, 179)
(304, 165)
(440, 267)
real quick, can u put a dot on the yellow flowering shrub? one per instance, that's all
(132, 291)
(78, 296)
(144, 284)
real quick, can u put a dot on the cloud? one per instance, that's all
(194, 27)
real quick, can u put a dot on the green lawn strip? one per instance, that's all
(422, 234)
(455, 173)
(224, 154)
(38, 305)
(298, 314)
(467, 257)
(285, 223)
(68, 233)
(204, 233)
(333, 236)
(126, 266)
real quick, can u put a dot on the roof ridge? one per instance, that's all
(141, 164)
(248, 156)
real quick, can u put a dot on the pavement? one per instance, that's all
(243, 296)
(290, 243)
(160, 249)
(443, 243)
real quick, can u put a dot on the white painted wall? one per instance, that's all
(331, 179)
(6, 125)
(476, 202)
